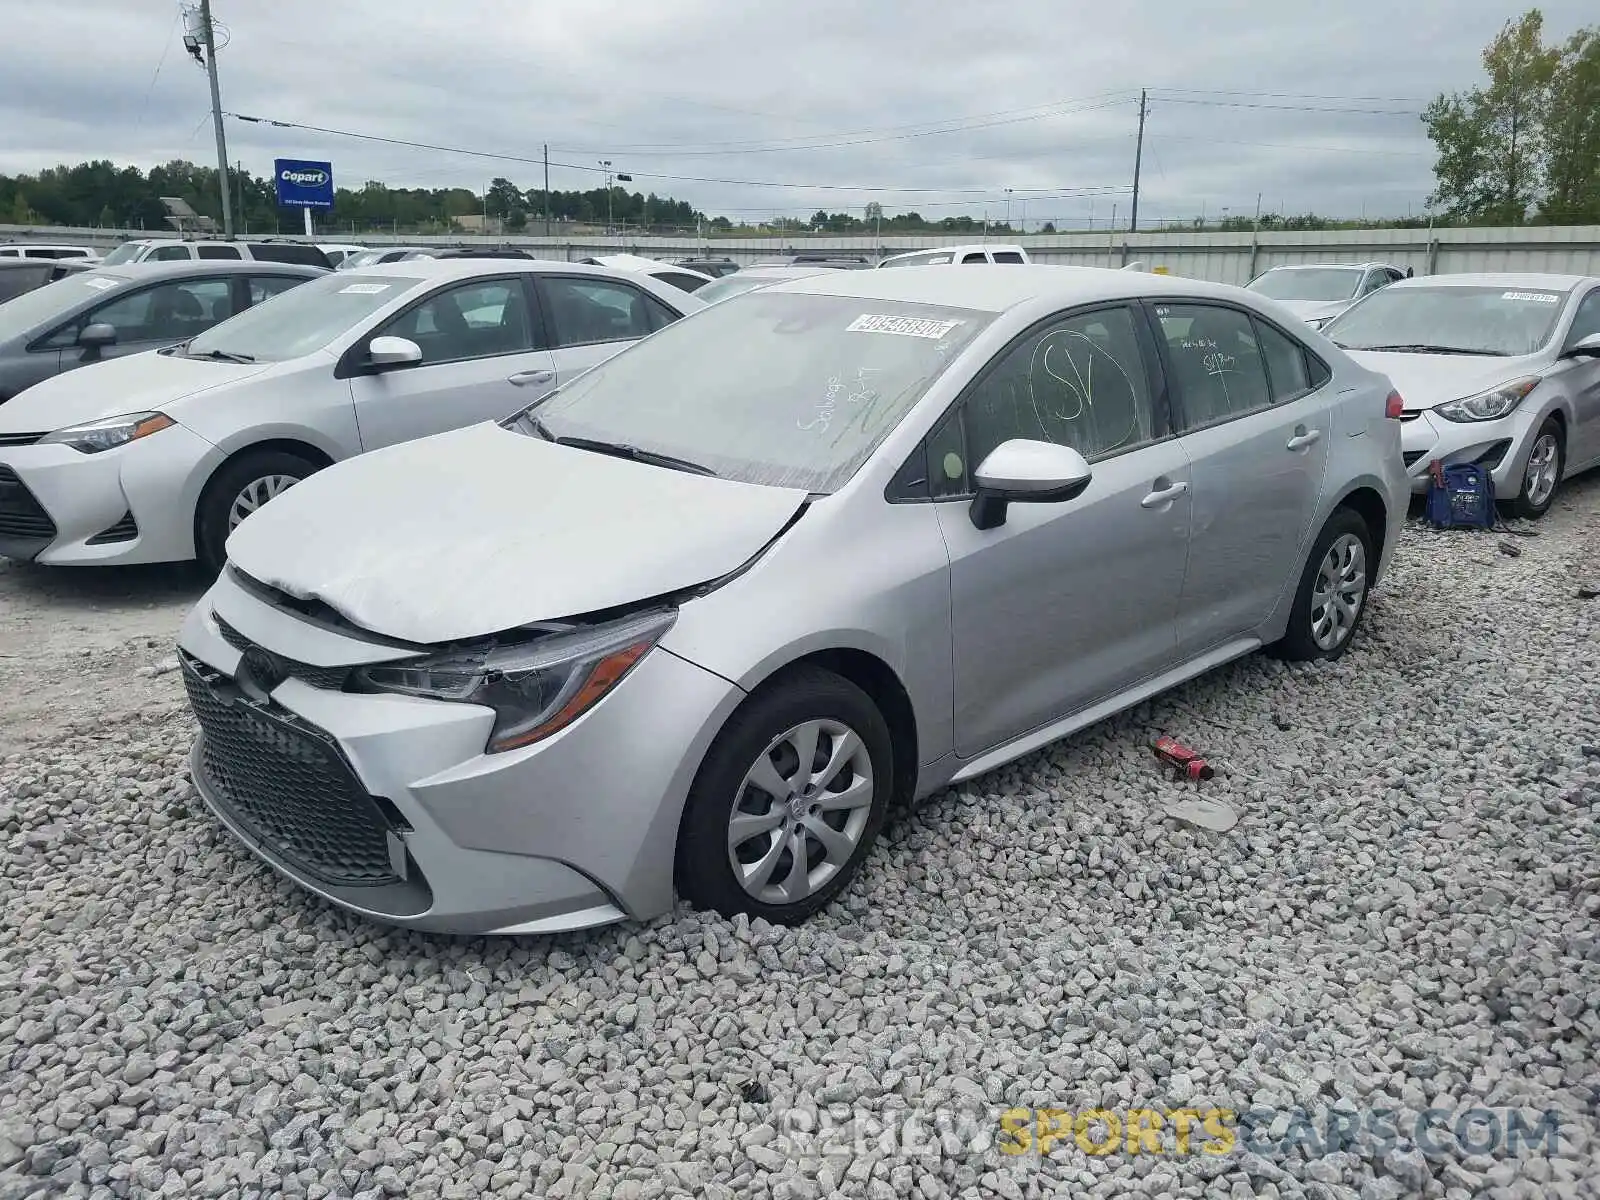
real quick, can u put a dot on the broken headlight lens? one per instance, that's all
(535, 688)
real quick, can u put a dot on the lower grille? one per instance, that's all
(287, 784)
(21, 515)
(19, 439)
(125, 530)
(1412, 457)
(330, 678)
(1410, 414)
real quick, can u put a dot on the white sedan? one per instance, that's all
(157, 457)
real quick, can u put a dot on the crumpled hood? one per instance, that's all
(1316, 310)
(481, 530)
(151, 381)
(1426, 380)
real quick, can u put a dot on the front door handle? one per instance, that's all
(524, 378)
(1165, 495)
(1303, 437)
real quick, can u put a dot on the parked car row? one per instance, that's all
(491, 528)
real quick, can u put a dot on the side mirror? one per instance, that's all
(95, 338)
(1587, 347)
(390, 353)
(1410, 272)
(1026, 472)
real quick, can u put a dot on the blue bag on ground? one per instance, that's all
(1461, 496)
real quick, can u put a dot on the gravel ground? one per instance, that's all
(1406, 918)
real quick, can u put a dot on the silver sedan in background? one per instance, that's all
(156, 457)
(699, 617)
(1496, 369)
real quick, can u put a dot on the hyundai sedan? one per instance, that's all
(1498, 370)
(694, 621)
(157, 457)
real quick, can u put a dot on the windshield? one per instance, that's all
(302, 319)
(35, 308)
(733, 285)
(124, 253)
(779, 389)
(1310, 283)
(1472, 319)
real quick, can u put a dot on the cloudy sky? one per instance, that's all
(755, 108)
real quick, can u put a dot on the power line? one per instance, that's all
(517, 158)
(688, 150)
(1378, 112)
(1296, 95)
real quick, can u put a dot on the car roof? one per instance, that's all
(996, 287)
(799, 271)
(1540, 280)
(963, 248)
(139, 272)
(467, 268)
(1329, 266)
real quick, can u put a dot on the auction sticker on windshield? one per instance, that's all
(1534, 297)
(922, 327)
(363, 289)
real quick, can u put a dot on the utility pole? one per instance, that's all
(547, 189)
(208, 34)
(1008, 210)
(605, 165)
(1138, 162)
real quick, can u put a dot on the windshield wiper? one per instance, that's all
(636, 453)
(1426, 348)
(219, 355)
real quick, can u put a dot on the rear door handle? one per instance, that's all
(1303, 438)
(1164, 495)
(524, 378)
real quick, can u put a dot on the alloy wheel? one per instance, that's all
(1544, 461)
(256, 493)
(1340, 587)
(800, 812)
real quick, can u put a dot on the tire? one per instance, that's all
(214, 515)
(1547, 458)
(1323, 628)
(765, 730)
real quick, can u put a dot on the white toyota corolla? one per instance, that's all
(157, 457)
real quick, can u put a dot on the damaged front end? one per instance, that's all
(537, 680)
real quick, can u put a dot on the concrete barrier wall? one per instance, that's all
(1222, 257)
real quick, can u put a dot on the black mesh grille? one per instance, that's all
(287, 784)
(331, 678)
(19, 439)
(1410, 414)
(1412, 457)
(20, 514)
(125, 530)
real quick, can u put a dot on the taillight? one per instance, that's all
(1394, 406)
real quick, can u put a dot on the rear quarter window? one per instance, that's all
(288, 252)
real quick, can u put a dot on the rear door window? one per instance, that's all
(23, 279)
(219, 252)
(1008, 256)
(169, 254)
(976, 256)
(1216, 362)
(583, 312)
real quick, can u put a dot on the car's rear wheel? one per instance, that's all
(789, 800)
(1546, 457)
(237, 490)
(1332, 594)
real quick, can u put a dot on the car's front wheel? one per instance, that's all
(1332, 593)
(1546, 457)
(788, 801)
(237, 490)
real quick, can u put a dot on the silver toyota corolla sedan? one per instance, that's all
(698, 618)
(1499, 370)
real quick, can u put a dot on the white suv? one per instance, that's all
(179, 249)
(37, 250)
(961, 255)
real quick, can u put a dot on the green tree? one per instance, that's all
(1572, 134)
(1489, 140)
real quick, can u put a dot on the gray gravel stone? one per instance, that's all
(1403, 918)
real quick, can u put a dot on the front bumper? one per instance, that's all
(1500, 446)
(133, 504)
(388, 806)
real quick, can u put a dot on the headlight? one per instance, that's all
(1490, 405)
(110, 432)
(535, 688)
